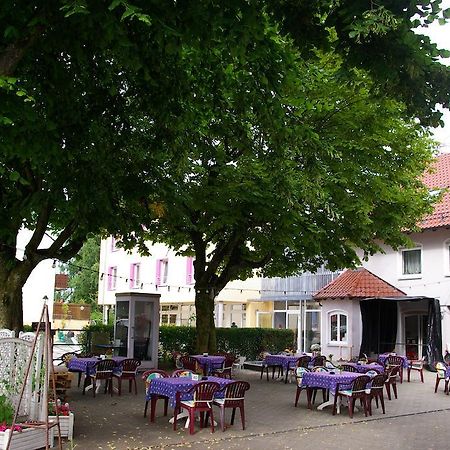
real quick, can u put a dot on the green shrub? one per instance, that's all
(248, 342)
(85, 336)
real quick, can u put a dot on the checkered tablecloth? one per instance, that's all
(281, 360)
(363, 368)
(87, 365)
(328, 380)
(209, 363)
(170, 386)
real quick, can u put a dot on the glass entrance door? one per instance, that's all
(311, 329)
(415, 335)
(142, 330)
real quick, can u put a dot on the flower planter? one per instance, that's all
(27, 439)
(65, 425)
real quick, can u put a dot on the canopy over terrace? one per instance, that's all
(379, 326)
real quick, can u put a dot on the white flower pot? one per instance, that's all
(27, 439)
(65, 425)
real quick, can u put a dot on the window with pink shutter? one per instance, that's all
(135, 275)
(189, 270)
(112, 278)
(162, 270)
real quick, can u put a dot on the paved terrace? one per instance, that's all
(418, 419)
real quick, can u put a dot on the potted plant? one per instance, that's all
(22, 438)
(66, 418)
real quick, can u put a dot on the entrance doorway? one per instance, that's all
(415, 335)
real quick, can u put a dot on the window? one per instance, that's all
(189, 270)
(112, 278)
(114, 244)
(412, 261)
(162, 270)
(338, 325)
(135, 275)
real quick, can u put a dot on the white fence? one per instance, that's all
(15, 354)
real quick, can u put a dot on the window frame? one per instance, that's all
(409, 276)
(112, 278)
(135, 281)
(338, 313)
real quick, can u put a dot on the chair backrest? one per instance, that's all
(149, 375)
(190, 363)
(378, 381)
(303, 361)
(348, 368)
(359, 384)
(235, 391)
(392, 372)
(204, 391)
(441, 369)
(130, 365)
(299, 371)
(182, 373)
(319, 360)
(229, 361)
(104, 368)
(394, 360)
(154, 373)
(66, 357)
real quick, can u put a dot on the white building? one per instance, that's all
(172, 277)
(423, 270)
(40, 284)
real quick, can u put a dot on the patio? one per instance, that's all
(271, 419)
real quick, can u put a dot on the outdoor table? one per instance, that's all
(327, 380)
(281, 360)
(169, 387)
(384, 356)
(363, 368)
(87, 365)
(210, 362)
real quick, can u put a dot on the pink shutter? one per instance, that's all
(131, 279)
(158, 272)
(110, 280)
(189, 269)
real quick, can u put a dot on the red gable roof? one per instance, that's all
(439, 178)
(358, 283)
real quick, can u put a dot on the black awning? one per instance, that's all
(379, 326)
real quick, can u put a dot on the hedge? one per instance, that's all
(248, 342)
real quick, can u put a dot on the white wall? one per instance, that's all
(354, 327)
(176, 290)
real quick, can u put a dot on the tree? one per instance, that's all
(96, 98)
(314, 167)
(85, 91)
(83, 273)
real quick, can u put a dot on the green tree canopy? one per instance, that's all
(97, 96)
(313, 167)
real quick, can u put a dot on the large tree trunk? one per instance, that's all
(11, 284)
(206, 330)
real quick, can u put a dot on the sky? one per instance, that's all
(440, 34)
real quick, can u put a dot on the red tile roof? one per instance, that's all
(439, 178)
(358, 283)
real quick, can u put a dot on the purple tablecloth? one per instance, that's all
(209, 363)
(170, 386)
(382, 358)
(328, 380)
(363, 368)
(87, 365)
(281, 360)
